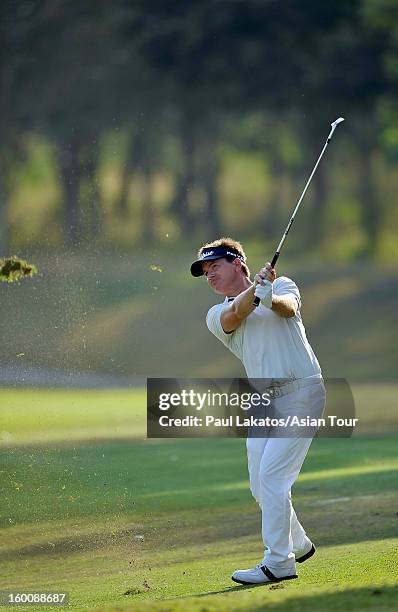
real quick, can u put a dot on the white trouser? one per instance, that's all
(274, 465)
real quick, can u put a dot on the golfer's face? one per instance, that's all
(219, 273)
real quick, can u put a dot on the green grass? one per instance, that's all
(160, 525)
(30, 416)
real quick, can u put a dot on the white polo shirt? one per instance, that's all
(269, 346)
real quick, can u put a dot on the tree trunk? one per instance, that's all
(316, 224)
(5, 105)
(212, 201)
(273, 209)
(129, 167)
(371, 213)
(148, 234)
(4, 230)
(94, 200)
(140, 162)
(185, 181)
(3, 222)
(69, 160)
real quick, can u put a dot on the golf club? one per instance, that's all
(278, 250)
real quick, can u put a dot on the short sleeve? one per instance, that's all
(285, 286)
(213, 322)
(234, 340)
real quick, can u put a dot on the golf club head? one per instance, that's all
(335, 123)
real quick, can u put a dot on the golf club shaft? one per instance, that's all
(289, 225)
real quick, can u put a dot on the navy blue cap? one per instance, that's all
(211, 253)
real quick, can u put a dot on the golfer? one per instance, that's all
(270, 341)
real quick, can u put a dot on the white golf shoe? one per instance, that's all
(259, 575)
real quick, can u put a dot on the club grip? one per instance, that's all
(275, 259)
(256, 300)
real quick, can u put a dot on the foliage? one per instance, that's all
(14, 269)
(184, 83)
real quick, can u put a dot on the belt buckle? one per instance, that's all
(275, 392)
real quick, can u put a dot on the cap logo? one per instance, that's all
(238, 255)
(222, 252)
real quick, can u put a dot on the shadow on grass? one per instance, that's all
(377, 598)
(153, 482)
(231, 589)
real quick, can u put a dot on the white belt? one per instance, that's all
(284, 388)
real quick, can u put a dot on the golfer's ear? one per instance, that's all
(238, 264)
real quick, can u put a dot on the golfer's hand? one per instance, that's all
(263, 281)
(266, 273)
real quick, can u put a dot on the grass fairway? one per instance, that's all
(160, 525)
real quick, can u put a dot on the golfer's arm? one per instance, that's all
(283, 305)
(239, 309)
